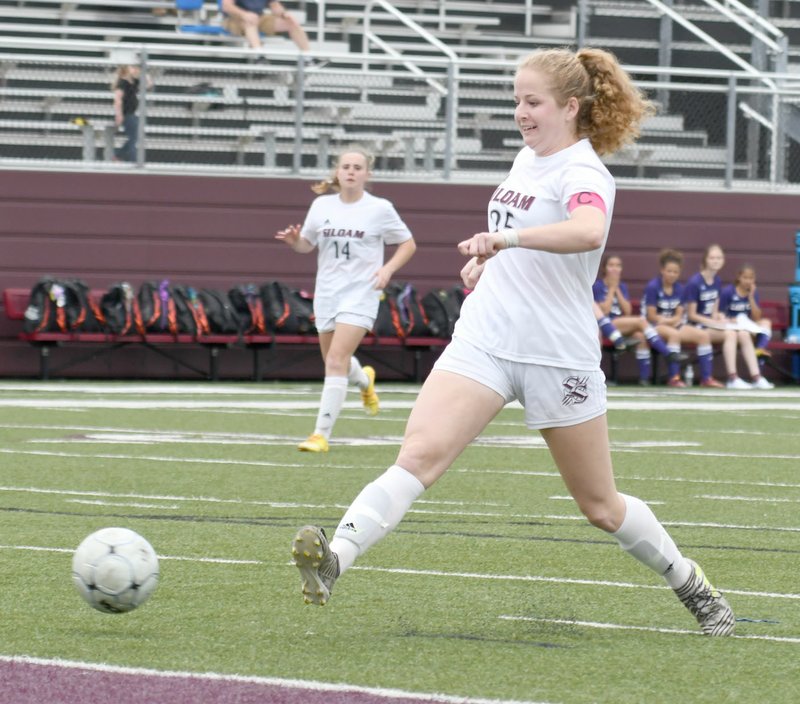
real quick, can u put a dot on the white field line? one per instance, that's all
(650, 629)
(484, 514)
(726, 403)
(752, 499)
(440, 573)
(633, 477)
(217, 500)
(307, 685)
(128, 504)
(61, 404)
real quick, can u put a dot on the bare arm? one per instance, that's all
(118, 106)
(606, 304)
(404, 252)
(624, 304)
(291, 236)
(584, 231)
(755, 310)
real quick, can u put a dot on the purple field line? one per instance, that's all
(28, 680)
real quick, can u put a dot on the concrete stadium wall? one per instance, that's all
(218, 232)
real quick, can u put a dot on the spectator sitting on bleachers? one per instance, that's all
(614, 314)
(250, 18)
(701, 298)
(739, 304)
(662, 305)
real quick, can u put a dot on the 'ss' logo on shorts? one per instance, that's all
(575, 390)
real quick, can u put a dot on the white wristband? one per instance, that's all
(511, 237)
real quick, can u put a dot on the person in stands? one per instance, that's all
(252, 18)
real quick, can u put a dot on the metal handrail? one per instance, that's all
(452, 68)
(708, 39)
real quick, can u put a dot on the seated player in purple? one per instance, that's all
(662, 305)
(741, 299)
(701, 299)
(617, 319)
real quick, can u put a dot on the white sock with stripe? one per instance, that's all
(356, 374)
(334, 391)
(644, 537)
(374, 513)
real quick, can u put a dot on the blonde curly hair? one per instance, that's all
(332, 182)
(611, 107)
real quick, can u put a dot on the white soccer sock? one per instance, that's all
(334, 391)
(644, 537)
(356, 374)
(374, 513)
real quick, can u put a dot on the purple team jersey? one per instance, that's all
(731, 303)
(665, 303)
(705, 295)
(600, 291)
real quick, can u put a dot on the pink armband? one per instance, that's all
(586, 198)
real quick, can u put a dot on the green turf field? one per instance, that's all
(492, 587)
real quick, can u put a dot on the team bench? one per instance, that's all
(268, 345)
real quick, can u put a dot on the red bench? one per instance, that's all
(15, 301)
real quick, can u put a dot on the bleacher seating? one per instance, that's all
(250, 116)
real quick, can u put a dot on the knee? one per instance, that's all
(337, 364)
(423, 457)
(605, 515)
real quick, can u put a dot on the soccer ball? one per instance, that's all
(115, 570)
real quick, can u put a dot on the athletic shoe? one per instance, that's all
(763, 352)
(645, 382)
(368, 395)
(738, 383)
(762, 383)
(712, 383)
(679, 357)
(706, 604)
(318, 564)
(314, 443)
(623, 344)
(676, 382)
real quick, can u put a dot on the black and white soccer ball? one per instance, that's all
(115, 570)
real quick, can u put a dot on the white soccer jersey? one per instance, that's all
(533, 306)
(350, 239)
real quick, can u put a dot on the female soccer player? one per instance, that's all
(349, 228)
(663, 304)
(532, 275)
(701, 298)
(612, 298)
(741, 299)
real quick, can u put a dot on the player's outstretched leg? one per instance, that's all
(368, 395)
(706, 604)
(318, 564)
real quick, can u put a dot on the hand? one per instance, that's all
(381, 278)
(290, 235)
(482, 245)
(471, 272)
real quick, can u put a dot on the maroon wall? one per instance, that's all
(218, 231)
